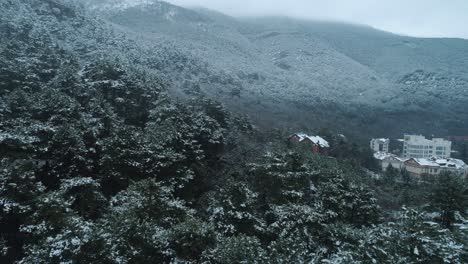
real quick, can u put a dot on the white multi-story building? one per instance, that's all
(380, 144)
(416, 146)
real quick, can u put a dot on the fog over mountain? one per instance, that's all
(421, 18)
(304, 74)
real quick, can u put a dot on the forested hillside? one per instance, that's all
(305, 74)
(104, 160)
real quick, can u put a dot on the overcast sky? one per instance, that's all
(422, 18)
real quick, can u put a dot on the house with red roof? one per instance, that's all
(317, 144)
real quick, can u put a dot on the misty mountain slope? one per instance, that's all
(282, 72)
(166, 22)
(248, 78)
(320, 70)
(315, 72)
(424, 68)
(306, 74)
(390, 56)
(383, 51)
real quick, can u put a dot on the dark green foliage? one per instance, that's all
(190, 239)
(238, 249)
(391, 174)
(343, 149)
(464, 152)
(18, 190)
(411, 240)
(449, 197)
(234, 210)
(405, 176)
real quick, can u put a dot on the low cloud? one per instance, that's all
(421, 18)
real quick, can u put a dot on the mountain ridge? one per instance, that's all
(276, 69)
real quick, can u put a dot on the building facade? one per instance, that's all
(386, 159)
(394, 161)
(455, 166)
(420, 167)
(417, 146)
(435, 166)
(379, 144)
